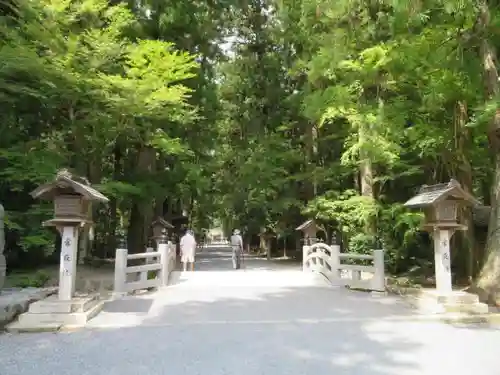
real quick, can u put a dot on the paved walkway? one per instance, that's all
(268, 319)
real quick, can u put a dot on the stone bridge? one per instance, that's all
(269, 318)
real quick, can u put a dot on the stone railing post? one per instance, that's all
(144, 275)
(3, 262)
(378, 280)
(172, 256)
(335, 260)
(305, 253)
(120, 271)
(163, 249)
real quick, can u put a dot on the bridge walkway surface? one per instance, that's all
(269, 318)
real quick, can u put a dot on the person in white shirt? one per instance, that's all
(188, 250)
(237, 246)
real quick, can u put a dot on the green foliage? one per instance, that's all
(362, 243)
(350, 210)
(370, 92)
(334, 110)
(401, 238)
(28, 280)
(88, 88)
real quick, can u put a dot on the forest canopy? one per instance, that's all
(257, 115)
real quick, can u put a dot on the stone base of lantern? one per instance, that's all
(52, 314)
(456, 302)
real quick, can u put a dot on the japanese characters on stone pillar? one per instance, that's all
(440, 204)
(72, 197)
(3, 262)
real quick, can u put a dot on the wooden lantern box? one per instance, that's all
(72, 198)
(161, 227)
(71, 206)
(309, 229)
(440, 204)
(442, 212)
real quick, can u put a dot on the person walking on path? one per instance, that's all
(237, 246)
(188, 250)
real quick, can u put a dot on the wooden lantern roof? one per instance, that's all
(430, 195)
(307, 225)
(67, 184)
(162, 222)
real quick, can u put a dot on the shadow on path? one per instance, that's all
(278, 331)
(192, 329)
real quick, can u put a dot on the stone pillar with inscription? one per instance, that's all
(440, 204)
(67, 267)
(72, 198)
(442, 262)
(3, 262)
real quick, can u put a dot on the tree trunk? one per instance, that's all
(489, 278)
(113, 221)
(142, 209)
(464, 175)
(366, 176)
(488, 282)
(264, 245)
(160, 199)
(311, 139)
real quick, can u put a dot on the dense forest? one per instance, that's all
(258, 114)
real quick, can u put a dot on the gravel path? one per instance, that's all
(254, 322)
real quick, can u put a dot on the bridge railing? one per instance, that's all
(328, 260)
(162, 262)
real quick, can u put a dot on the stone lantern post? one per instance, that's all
(72, 197)
(440, 204)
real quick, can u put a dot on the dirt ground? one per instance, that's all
(88, 278)
(97, 276)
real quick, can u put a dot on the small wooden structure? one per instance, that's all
(309, 229)
(440, 204)
(72, 197)
(161, 228)
(215, 235)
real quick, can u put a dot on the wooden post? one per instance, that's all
(378, 280)
(120, 272)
